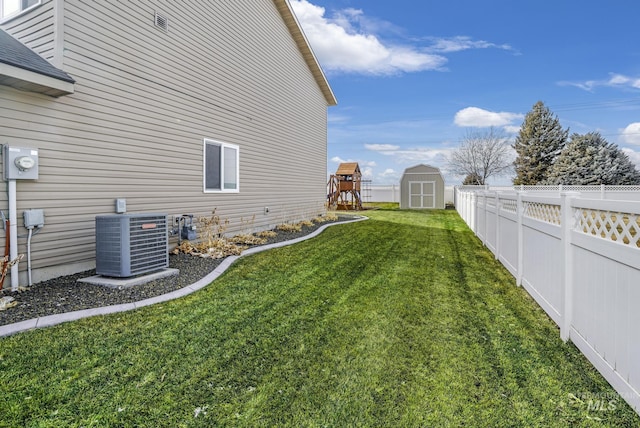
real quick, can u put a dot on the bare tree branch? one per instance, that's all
(482, 154)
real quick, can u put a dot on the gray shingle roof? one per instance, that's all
(14, 53)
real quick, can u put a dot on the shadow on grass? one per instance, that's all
(402, 320)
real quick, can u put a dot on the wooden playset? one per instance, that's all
(345, 187)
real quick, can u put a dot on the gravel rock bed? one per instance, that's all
(65, 294)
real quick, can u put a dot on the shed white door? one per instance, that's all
(422, 194)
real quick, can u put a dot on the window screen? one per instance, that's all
(230, 173)
(212, 166)
(220, 167)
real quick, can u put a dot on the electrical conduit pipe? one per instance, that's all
(13, 235)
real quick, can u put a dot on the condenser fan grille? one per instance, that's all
(131, 244)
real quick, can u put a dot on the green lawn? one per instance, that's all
(403, 320)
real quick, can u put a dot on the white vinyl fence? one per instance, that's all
(391, 193)
(577, 253)
(385, 193)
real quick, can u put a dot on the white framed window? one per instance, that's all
(12, 8)
(221, 167)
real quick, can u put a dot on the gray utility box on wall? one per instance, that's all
(131, 244)
(19, 163)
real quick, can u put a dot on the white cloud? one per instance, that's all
(389, 172)
(434, 157)
(415, 155)
(348, 41)
(615, 80)
(367, 173)
(512, 129)
(631, 134)
(341, 44)
(407, 157)
(381, 147)
(418, 155)
(586, 86)
(463, 43)
(477, 117)
(633, 156)
(338, 159)
(388, 176)
(620, 80)
(333, 118)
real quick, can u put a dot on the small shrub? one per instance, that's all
(248, 239)
(330, 217)
(215, 249)
(325, 218)
(212, 228)
(221, 248)
(267, 234)
(186, 247)
(212, 242)
(289, 227)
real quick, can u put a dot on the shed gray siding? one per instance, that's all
(144, 101)
(417, 175)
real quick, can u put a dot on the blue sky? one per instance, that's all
(413, 77)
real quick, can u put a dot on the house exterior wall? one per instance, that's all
(421, 174)
(36, 29)
(145, 100)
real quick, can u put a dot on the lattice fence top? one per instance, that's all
(509, 205)
(538, 188)
(623, 228)
(555, 188)
(622, 188)
(544, 212)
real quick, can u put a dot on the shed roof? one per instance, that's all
(22, 68)
(348, 168)
(422, 169)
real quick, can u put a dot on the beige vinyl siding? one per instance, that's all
(35, 28)
(143, 104)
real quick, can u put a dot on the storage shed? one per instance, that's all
(422, 187)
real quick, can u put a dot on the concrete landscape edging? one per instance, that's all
(51, 320)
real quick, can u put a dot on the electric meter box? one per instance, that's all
(19, 163)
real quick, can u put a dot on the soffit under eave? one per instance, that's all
(25, 80)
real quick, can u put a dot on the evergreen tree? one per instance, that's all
(473, 179)
(590, 159)
(538, 144)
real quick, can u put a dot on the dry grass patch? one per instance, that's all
(267, 234)
(248, 239)
(212, 242)
(289, 227)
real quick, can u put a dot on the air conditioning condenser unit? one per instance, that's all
(131, 244)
